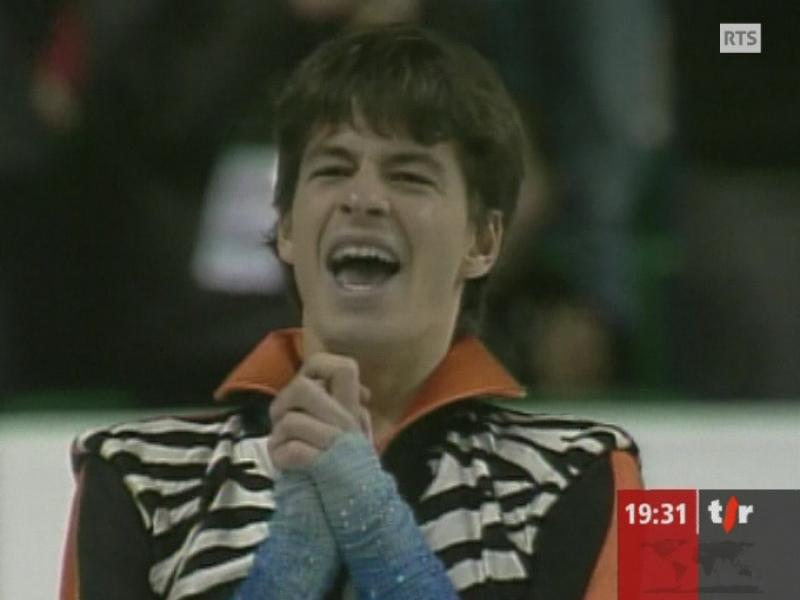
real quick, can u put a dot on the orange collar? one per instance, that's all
(466, 371)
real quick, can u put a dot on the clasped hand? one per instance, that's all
(324, 400)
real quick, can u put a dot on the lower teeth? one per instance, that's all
(361, 278)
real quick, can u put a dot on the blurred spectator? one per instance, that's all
(100, 290)
(28, 143)
(594, 76)
(738, 318)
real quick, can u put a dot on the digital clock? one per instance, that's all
(657, 543)
(664, 513)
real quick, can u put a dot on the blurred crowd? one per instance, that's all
(656, 246)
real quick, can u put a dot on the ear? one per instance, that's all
(285, 245)
(486, 243)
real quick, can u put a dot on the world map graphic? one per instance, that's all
(724, 567)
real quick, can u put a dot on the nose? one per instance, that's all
(371, 203)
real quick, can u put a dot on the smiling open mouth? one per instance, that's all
(362, 267)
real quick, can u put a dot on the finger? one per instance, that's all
(299, 391)
(341, 377)
(296, 425)
(366, 424)
(346, 388)
(307, 395)
(294, 455)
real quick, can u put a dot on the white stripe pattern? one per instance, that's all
(498, 566)
(513, 468)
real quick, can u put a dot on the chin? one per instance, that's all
(352, 332)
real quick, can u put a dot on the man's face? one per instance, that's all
(379, 237)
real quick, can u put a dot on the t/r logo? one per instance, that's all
(734, 513)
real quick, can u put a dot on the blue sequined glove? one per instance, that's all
(298, 560)
(375, 531)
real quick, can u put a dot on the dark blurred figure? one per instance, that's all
(30, 133)
(593, 76)
(739, 127)
(99, 290)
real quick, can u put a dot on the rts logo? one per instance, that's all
(734, 513)
(740, 38)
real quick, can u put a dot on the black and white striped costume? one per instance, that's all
(514, 504)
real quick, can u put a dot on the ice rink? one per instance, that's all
(716, 445)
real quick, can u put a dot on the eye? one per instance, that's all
(329, 171)
(413, 178)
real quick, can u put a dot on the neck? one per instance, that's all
(393, 372)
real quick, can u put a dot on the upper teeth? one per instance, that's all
(357, 251)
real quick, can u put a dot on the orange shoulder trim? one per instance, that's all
(70, 577)
(268, 367)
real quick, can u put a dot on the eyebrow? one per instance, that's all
(326, 150)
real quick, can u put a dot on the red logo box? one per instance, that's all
(658, 544)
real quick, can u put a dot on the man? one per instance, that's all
(366, 454)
